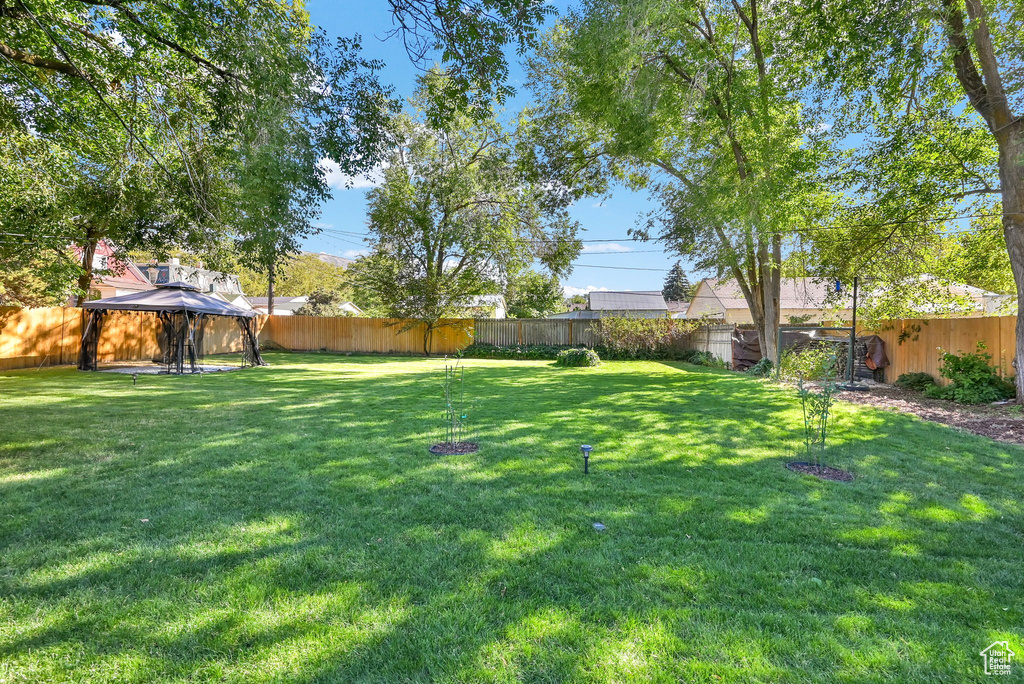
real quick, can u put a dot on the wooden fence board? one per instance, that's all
(913, 345)
(716, 339)
(45, 337)
(32, 338)
(367, 335)
(541, 331)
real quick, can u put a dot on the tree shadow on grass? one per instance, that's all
(298, 529)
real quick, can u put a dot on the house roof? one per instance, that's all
(278, 301)
(794, 293)
(122, 273)
(677, 306)
(642, 300)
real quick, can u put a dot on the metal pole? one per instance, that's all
(778, 353)
(853, 334)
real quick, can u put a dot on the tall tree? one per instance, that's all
(456, 216)
(700, 103)
(323, 302)
(531, 294)
(942, 77)
(150, 116)
(677, 286)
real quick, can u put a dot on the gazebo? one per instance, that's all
(182, 309)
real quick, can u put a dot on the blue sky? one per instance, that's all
(606, 219)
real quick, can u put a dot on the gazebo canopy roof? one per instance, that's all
(172, 297)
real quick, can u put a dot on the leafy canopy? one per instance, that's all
(459, 213)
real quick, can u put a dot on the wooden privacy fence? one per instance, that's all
(375, 335)
(716, 339)
(48, 337)
(913, 345)
(31, 338)
(545, 331)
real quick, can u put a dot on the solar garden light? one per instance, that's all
(135, 379)
(586, 449)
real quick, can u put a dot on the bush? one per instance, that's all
(575, 358)
(700, 358)
(762, 369)
(919, 382)
(527, 352)
(641, 336)
(817, 362)
(973, 379)
(541, 352)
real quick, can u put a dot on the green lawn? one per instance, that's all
(288, 524)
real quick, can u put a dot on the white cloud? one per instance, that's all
(355, 253)
(321, 224)
(570, 291)
(606, 247)
(342, 181)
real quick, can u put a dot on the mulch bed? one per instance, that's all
(824, 472)
(450, 449)
(1003, 423)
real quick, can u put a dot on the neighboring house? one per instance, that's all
(808, 300)
(640, 304)
(983, 302)
(576, 314)
(351, 308)
(677, 309)
(486, 306)
(283, 306)
(287, 306)
(225, 285)
(801, 298)
(113, 277)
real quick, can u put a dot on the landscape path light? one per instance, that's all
(586, 449)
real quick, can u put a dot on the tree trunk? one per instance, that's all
(88, 254)
(270, 290)
(985, 91)
(1011, 177)
(771, 287)
(426, 340)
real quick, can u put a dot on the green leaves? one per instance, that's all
(458, 216)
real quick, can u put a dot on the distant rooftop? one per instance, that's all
(278, 301)
(642, 300)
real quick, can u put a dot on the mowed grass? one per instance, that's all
(287, 524)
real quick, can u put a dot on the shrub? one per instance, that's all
(634, 336)
(550, 352)
(919, 382)
(700, 358)
(762, 369)
(817, 403)
(575, 358)
(528, 352)
(816, 362)
(973, 379)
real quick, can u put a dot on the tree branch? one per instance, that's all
(41, 62)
